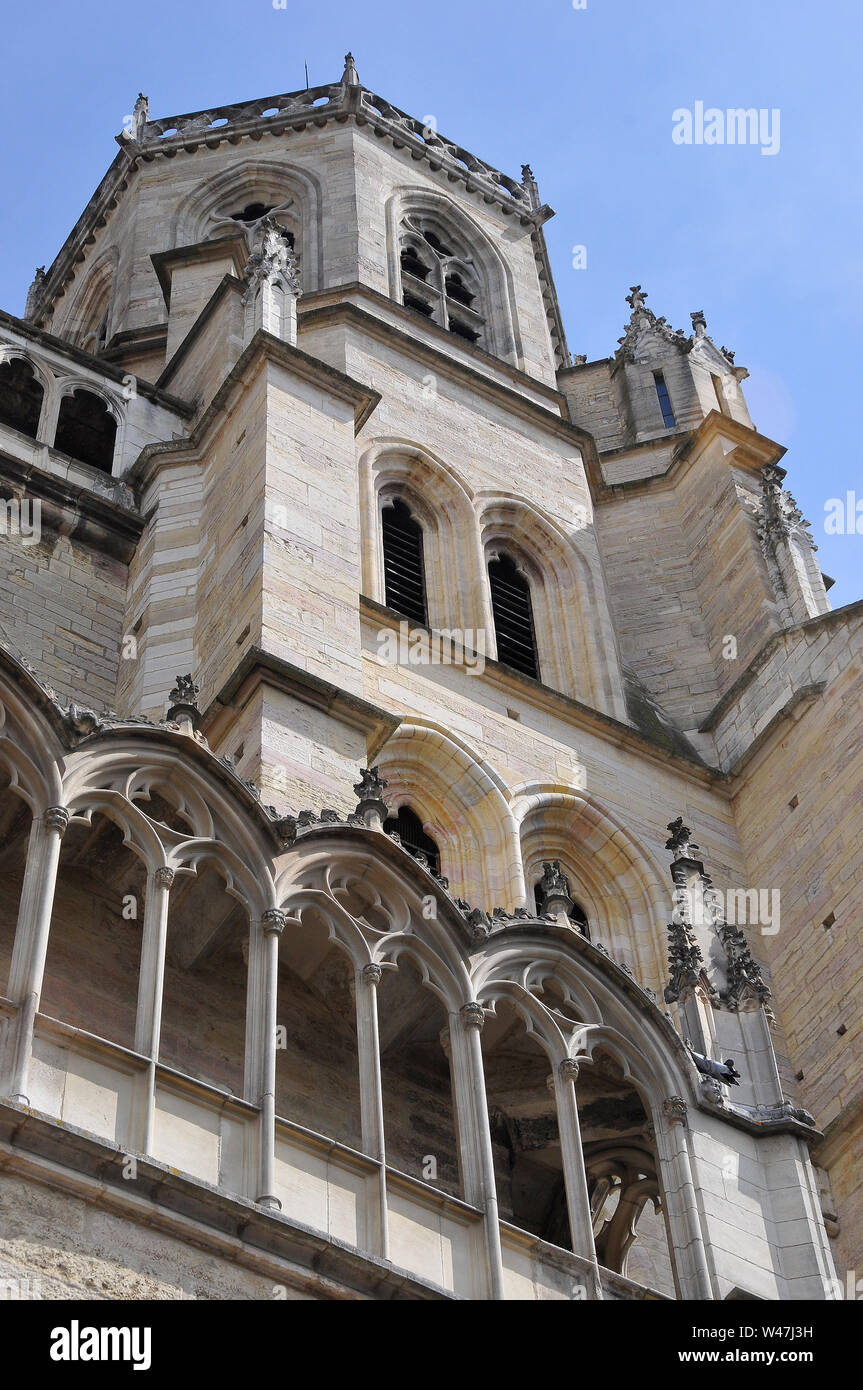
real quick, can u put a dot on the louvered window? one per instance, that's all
(407, 824)
(404, 577)
(513, 616)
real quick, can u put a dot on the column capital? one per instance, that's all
(56, 818)
(472, 1015)
(273, 921)
(372, 973)
(568, 1069)
(674, 1109)
(164, 876)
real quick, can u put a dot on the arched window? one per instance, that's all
(577, 914)
(408, 826)
(513, 616)
(404, 574)
(439, 278)
(21, 395)
(86, 430)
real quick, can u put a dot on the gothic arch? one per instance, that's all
(577, 654)
(625, 888)
(503, 338)
(90, 303)
(196, 217)
(442, 503)
(464, 807)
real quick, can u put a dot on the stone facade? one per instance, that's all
(539, 1053)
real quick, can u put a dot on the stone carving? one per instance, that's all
(674, 1109)
(56, 818)
(273, 920)
(372, 973)
(472, 1015)
(479, 923)
(164, 877)
(185, 691)
(372, 807)
(725, 1072)
(642, 318)
(272, 259)
(569, 1069)
(680, 841)
(780, 516)
(685, 961)
(746, 983)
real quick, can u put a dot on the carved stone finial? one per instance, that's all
(34, 291)
(699, 323)
(554, 895)
(185, 691)
(272, 258)
(472, 1015)
(371, 807)
(140, 117)
(636, 297)
(680, 841)
(183, 709)
(350, 77)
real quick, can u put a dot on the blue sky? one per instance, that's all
(770, 247)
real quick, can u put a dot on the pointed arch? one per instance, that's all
(501, 336)
(576, 648)
(622, 888)
(205, 212)
(463, 806)
(442, 504)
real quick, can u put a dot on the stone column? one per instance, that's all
(574, 1173)
(272, 926)
(678, 1192)
(371, 1087)
(148, 1024)
(475, 1132)
(31, 938)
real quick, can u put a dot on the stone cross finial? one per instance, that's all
(636, 297)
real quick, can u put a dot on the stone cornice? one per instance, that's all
(58, 1155)
(572, 711)
(341, 310)
(752, 452)
(263, 348)
(259, 667)
(73, 510)
(762, 656)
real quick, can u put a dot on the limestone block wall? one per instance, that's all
(62, 610)
(69, 1248)
(811, 852)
